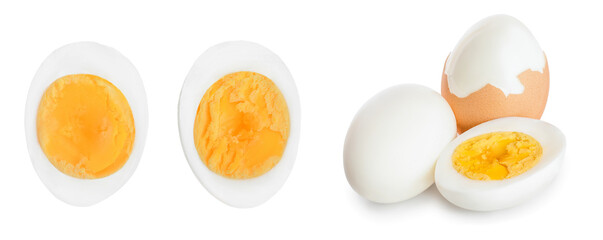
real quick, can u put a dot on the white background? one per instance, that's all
(340, 54)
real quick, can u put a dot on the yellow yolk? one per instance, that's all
(496, 155)
(85, 126)
(242, 125)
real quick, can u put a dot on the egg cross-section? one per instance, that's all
(85, 122)
(239, 119)
(500, 163)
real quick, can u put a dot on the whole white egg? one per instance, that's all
(394, 141)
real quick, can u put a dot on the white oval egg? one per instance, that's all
(489, 195)
(394, 141)
(217, 62)
(109, 64)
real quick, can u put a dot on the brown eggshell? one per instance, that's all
(490, 103)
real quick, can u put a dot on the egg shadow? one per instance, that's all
(431, 198)
(421, 202)
(429, 201)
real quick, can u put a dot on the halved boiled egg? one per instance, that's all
(500, 163)
(239, 119)
(85, 122)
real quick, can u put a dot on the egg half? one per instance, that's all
(496, 70)
(394, 141)
(85, 122)
(500, 163)
(239, 120)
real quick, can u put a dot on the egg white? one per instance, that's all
(493, 195)
(108, 63)
(215, 63)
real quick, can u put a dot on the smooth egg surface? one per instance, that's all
(394, 141)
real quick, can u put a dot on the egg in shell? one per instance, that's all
(500, 163)
(85, 122)
(239, 122)
(496, 70)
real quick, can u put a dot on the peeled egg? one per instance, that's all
(85, 122)
(496, 70)
(500, 163)
(239, 120)
(394, 141)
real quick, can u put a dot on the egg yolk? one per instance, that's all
(496, 155)
(85, 126)
(242, 125)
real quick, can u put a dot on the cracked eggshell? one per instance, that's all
(496, 70)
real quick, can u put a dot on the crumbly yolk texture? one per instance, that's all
(242, 125)
(85, 126)
(497, 155)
